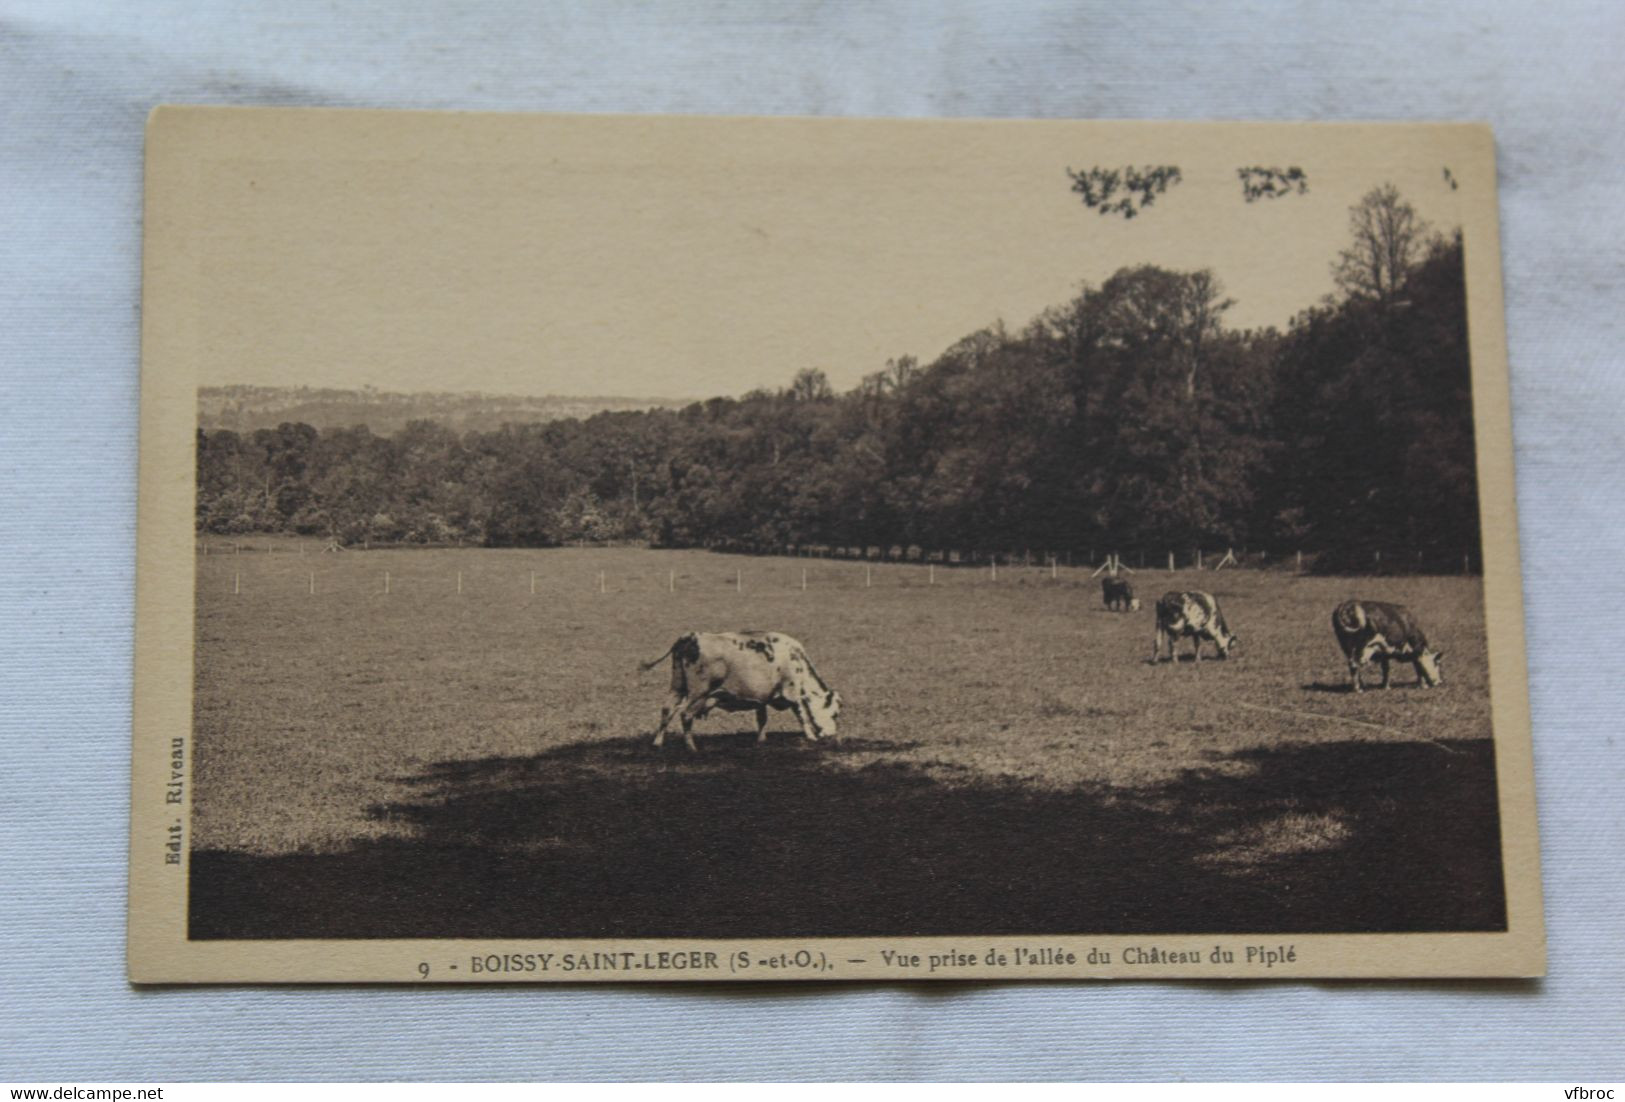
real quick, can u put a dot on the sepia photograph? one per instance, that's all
(583, 548)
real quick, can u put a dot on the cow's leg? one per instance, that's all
(696, 708)
(666, 712)
(1196, 648)
(1385, 660)
(1354, 670)
(1156, 645)
(806, 722)
(1360, 660)
(761, 724)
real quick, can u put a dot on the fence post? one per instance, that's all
(804, 579)
(868, 575)
(1170, 562)
(1300, 562)
(237, 582)
(1052, 568)
(1198, 558)
(533, 583)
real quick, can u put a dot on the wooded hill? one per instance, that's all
(247, 409)
(1129, 417)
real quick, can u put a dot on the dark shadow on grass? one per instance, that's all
(614, 839)
(1342, 687)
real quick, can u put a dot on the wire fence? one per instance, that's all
(292, 566)
(1115, 562)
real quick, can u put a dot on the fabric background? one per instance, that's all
(76, 82)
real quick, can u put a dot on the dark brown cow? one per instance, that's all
(741, 671)
(1194, 614)
(1119, 595)
(1375, 629)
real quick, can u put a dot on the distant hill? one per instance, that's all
(245, 409)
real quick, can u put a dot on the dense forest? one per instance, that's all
(1130, 417)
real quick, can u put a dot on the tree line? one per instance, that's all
(1128, 417)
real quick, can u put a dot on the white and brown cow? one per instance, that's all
(741, 671)
(1194, 614)
(1374, 629)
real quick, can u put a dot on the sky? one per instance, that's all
(685, 258)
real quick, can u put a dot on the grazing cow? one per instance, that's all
(1195, 614)
(1372, 629)
(745, 671)
(1119, 595)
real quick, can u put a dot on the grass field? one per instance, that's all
(434, 763)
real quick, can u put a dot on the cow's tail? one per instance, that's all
(653, 662)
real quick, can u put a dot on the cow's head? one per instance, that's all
(1427, 665)
(1134, 604)
(1227, 644)
(823, 709)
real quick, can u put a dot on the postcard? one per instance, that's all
(760, 549)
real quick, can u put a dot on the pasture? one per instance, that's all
(435, 763)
